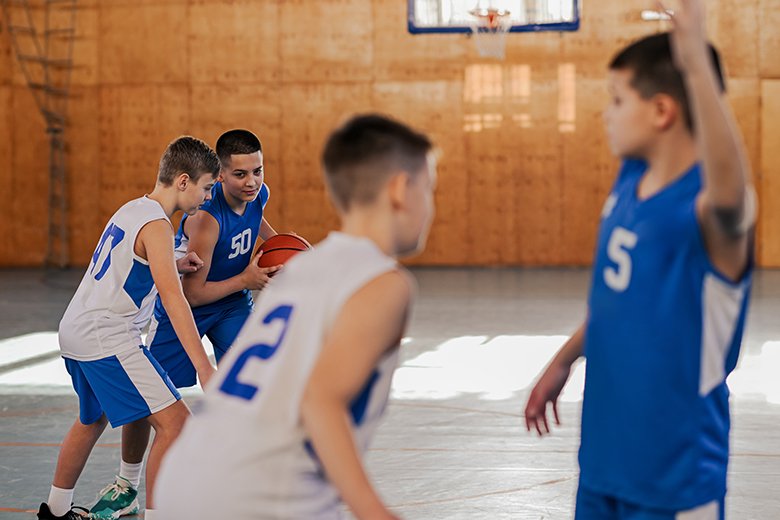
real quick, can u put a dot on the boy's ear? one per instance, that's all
(397, 186)
(666, 111)
(182, 181)
(220, 177)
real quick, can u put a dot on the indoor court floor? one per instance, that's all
(453, 444)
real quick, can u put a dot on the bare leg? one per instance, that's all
(75, 450)
(135, 439)
(167, 425)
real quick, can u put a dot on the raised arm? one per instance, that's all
(726, 207)
(155, 243)
(370, 323)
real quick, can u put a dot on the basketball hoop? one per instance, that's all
(489, 28)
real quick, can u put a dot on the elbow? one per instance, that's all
(732, 220)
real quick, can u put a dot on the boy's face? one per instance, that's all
(196, 193)
(628, 117)
(420, 208)
(243, 177)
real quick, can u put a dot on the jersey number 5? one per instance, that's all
(231, 385)
(620, 244)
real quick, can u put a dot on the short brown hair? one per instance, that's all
(651, 61)
(363, 153)
(237, 142)
(188, 155)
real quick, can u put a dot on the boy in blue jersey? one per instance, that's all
(669, 291)
(114, 375)
(222, 235)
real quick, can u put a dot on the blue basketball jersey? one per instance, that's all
(663, 332)
(233, 250)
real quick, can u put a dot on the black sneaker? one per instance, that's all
(44, 513)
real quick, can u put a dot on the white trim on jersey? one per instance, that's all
(709, 511)
(721, 302)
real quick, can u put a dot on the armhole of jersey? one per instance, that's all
(701, 250)
(264, 190)
(344, 298)
(138, 232)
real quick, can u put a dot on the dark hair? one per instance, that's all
(360, 156)
(651, 61)
(236, 142)
(187, 155)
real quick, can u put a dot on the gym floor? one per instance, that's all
(453, 444)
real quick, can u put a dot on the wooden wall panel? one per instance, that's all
(769, 187)
(29, 183)
(7, 215)
(84, 173)
(525, 166)
(400, 56)
(234, 41)
(589, 171)
(85, 46)
(143, 44)
(6, 58)
(217, 108)
(436, 108)
(309, 113)
(769, 38)
(326, 41)
(734, 27)
(136, 124)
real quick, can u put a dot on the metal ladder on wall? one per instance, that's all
(42, 34)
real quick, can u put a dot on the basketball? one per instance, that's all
(280, 248)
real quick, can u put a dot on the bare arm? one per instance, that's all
(203, 230)
(549, 386)
(266, 231)
(155, 243)
(726, 206)
(369, 324)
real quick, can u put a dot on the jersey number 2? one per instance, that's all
(231, 385)
(620, 244)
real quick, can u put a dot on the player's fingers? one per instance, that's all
(555, 412)
(546, 424)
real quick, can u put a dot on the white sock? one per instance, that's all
(60, 500)
(151, 514)
(131, 472)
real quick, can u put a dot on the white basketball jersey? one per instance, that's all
(244, 454)
(115, 298)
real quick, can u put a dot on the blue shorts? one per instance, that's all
(126, 387)
(220, 325)
(594, 506)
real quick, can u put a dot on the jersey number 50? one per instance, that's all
(621, 242)
(240, 243)
(231, 385)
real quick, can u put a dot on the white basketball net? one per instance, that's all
(489, 28)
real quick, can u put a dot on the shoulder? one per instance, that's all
(201, 222)
(391, 289)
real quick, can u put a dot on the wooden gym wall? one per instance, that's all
(525, 166)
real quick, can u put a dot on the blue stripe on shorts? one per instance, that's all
(126, 387)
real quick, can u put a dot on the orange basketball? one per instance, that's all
(280, 248)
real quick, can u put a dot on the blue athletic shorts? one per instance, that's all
(126, 387)
(221, 326)
(594, 506)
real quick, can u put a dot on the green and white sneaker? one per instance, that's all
(117, 499)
